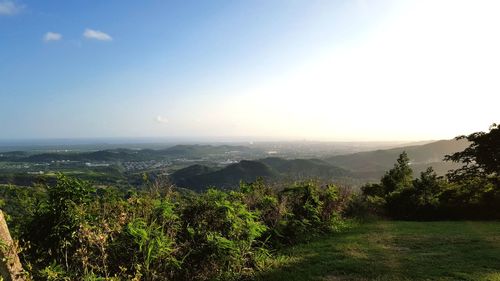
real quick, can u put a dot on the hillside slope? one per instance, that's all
(373, 164)
(304, 168)
(199, 177)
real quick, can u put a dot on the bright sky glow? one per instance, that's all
(318, 70)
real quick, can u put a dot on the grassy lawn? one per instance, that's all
(390, 250)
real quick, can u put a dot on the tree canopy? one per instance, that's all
(398, 177)
(481, 158)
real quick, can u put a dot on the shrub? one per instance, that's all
(79, 233)
(220, 232)
(310, 210)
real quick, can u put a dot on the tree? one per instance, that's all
(427, 188)
(394, 193)
(481, 158)
(373, 189)
(398, 177)
(395, 180)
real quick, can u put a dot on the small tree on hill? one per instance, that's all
(394, 193)
(398, 177)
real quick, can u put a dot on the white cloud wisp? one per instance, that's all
(9, 8)
(96, 35)
(52, 36)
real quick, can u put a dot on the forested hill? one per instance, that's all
(198, 177)
(372, 164)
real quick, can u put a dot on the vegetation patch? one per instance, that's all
(75, 231)
(396, 250)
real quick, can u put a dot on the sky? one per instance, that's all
(347, 70)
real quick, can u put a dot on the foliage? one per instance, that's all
(51, 232)
(20, 203)
(400, 196)
(471, 192)
(218, 229)
(481, 158)
(310, 210)
(474, 189)
(74, 231)
(399, 177)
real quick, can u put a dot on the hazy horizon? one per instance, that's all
(185, 140)
(350, 70)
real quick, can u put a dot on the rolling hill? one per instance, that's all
(199, 177)
(373, 164)
(304, 168)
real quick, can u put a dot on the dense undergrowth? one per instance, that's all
(73, 231)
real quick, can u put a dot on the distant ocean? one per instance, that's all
(83, 144)
(86, 144)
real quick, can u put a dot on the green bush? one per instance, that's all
(221, 234)
(310, 210)
(77, 232)
(428, 197)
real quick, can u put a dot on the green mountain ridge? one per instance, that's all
(272, 169)
(199, 177)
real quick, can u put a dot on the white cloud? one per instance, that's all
(9, 8)
(161, 119)
(96, 35)
(52, 36)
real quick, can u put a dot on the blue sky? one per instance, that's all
(269, 69)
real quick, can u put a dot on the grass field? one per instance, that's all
(390, 250)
